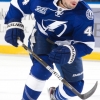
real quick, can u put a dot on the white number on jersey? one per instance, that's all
(88, 31)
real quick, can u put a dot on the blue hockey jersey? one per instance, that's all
(71, 26)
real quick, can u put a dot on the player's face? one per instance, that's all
(70, 4)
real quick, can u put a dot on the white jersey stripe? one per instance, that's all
(68, 42)
(15, 4)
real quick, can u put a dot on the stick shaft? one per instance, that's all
(82, 96)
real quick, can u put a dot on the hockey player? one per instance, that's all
(69, 24)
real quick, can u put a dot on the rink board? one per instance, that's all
(6, 48)
(22, 51)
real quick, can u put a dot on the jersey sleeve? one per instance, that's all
(83, 36)
(18, 9)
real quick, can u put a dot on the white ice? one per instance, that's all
(14, 70)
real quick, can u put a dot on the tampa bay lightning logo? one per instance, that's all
(89, 14)
(52, 25)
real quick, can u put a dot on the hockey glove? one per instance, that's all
(63, 54)
(15, 30)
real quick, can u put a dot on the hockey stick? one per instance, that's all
(82, 96)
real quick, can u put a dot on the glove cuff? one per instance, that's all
(18, 25)
(72, 53)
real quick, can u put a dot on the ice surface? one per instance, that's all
(14, 70)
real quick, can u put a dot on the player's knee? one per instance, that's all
(77, 85)
(39, 71)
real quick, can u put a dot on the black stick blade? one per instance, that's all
(89, 93)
